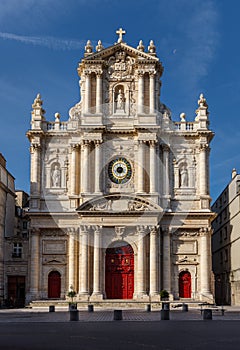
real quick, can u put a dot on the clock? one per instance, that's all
(119, 170)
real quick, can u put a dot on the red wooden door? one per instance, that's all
(54, 284)
(185, 284)
(119, 281)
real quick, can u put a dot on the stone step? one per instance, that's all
(112, 303)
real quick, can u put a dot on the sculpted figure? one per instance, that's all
(183, 177)
(56, 177)
(120, 100)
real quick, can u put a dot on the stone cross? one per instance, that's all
(120, 32)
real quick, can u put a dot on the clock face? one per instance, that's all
(119, 170)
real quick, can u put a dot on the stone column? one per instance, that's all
(73, 169)
(191, 173)
(97, 263)
(152, 92)
(97, 166)
(83, 263)
(203, 174)
(99, 93)
(165, 170)
(35, 169)
(152, 167)
(64, 175)
(140, 93)
(176, 174)
(71, 259)
(153, 291)
(141, 273)
(48, 176)
(87, 102)
(35, 264)
(166, 260)
(205, 261)
(140, 166)
(85, 167)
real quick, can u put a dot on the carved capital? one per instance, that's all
(142, 230)
(84, 229)
(152, 143)
(99, 73)
(140, 73)
(204, 147)
(97, 229)
(204, 231)
(152, 74)
(153, 230)
(35, 147)
(35, 231)
(74, 146)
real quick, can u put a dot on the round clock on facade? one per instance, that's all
(119, 170)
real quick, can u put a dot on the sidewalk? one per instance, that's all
(99, 315)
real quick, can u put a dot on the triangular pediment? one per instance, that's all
(119, 203)
(131, 51)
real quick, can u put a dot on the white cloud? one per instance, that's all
(50, 42)
(191, 31)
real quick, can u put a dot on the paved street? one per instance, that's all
(164, 335)
(29, 330)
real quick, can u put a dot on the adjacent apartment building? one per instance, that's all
(13, 240)
(226, 243)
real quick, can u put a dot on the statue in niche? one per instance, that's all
(183, 177)
(120, 100)
(56, 176)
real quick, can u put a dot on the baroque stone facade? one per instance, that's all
(120, 204)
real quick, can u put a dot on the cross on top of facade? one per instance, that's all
(120, 32)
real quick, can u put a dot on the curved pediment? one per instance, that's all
(119, 203)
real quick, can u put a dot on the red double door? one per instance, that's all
(185, 284)
(119, 282)
(54, 284)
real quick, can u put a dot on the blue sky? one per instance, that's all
(41, 43)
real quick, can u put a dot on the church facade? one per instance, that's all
(119, 202)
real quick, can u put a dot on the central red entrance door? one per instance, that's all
(185, 284)
(54, 284)
(119, 282)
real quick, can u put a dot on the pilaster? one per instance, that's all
(205, 263)
(141, 259)
(98, 162)
(97, 264)
(166, 259)
(140, 166)
(154, 263)
(71, 259)
(140, 93)
(152, 92)
(34, 265)
(99, 92)
(152, 167)
(83, 263)
(85, 167)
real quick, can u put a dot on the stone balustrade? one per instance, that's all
(56, 126)
(185, 126)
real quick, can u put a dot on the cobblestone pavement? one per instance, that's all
(99, 315)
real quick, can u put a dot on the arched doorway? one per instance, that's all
(119, 279)
(54, 284)
(185, 284)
